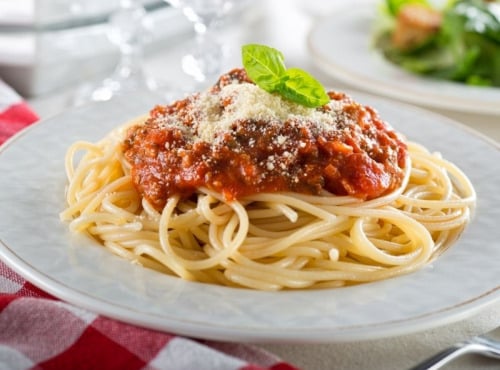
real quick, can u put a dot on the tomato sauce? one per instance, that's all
(362, 156)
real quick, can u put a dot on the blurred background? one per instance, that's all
(51, 50)
(46, 45)
(62, 53)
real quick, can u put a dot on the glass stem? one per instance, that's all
(130, 42)
(130, 63)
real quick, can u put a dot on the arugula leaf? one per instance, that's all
(265, 66)
(301, 87)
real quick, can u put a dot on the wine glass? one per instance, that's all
(204, 60)
(127, 31)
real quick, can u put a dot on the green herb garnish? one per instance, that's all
(266, 67)
(465, 48)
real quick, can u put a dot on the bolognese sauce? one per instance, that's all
(239, 140)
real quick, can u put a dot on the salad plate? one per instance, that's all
(39, 246)
(351, 57)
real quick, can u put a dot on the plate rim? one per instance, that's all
(68, 294)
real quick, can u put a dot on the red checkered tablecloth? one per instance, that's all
(38, 331)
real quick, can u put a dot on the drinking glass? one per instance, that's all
(205, 58)
(127, 31)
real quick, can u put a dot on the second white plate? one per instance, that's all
(341, 44)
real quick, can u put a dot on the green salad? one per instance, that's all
(458, 42)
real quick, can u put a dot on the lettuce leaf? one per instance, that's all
(466, 49)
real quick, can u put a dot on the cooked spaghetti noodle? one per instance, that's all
(266, 240)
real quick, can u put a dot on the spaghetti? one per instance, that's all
(383, 220)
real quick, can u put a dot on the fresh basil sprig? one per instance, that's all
(266, 67)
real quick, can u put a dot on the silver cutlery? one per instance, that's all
(482, 345)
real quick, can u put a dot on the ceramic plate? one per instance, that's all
(341, 44)
(36, 244)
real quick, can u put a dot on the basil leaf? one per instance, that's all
(266, 68)
(264, 65)
(300, 87)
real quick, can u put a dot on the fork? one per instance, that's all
(479, 345)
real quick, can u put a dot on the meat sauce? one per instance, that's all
(358, 154)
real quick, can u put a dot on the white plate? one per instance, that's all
(341, 44)
(74, 268)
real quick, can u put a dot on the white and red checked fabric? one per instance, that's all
(38, 331)
(14, 113)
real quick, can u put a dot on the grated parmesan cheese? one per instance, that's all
(248, 101)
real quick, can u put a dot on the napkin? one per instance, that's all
(38, 331)
(15, 114)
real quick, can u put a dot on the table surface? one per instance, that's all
(285, 25)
